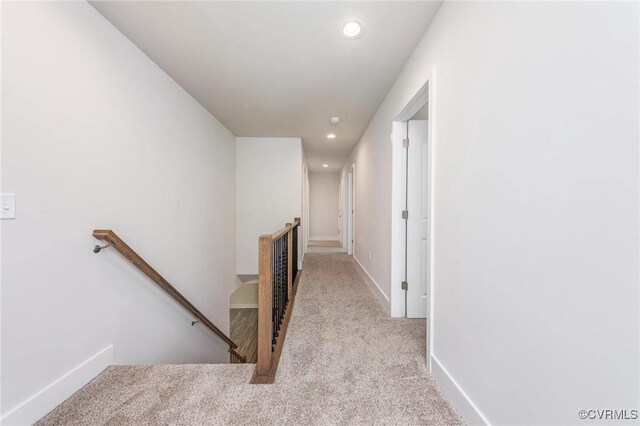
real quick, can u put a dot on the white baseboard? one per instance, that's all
(336, 238)
(42, 402)
(244, 306)
(460, 400)
(384, 300)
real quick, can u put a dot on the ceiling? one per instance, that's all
(280, 69)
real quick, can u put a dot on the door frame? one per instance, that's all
(418, 192)
(351, 209)
(425, 94)
(305, 214)
(344, 205)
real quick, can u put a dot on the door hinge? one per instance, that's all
(405, 143)
(405, 214)
(405, 285)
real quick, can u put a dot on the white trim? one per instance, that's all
(426, 94)
(417, 102)
(344, 200)
(397, 223)
(336, 239)
(42, 402)
(398, 196)
(470, 413)
(432, 111)
(244, 306)
(351, 209)
(384, 300)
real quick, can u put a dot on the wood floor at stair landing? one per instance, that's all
(344, 361)
(244, 331)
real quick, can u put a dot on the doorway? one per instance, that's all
(351, 207)
(324, 206)
(416, 222)
(412, 210)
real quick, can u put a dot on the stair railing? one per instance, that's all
(114, 241)
(277, 285)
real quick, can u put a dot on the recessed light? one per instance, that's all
(351, 29)
(325, 165)
(334, 120)
(331, 136)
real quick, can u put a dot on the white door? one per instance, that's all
(418, 219)
(350, 211)
(339, 225)
(344, 202)
(340, 198)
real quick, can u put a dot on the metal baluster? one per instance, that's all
(280, 284)
(278, 264)
(276, 285)
(286, 271)
(284, 274)
(274, 321)
(295, 253)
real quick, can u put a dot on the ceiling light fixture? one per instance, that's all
(351, 29)
(331, 136)
(325, 165)
(334, 120)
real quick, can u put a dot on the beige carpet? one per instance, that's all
(344, 362)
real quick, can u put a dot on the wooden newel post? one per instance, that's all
(265, 302)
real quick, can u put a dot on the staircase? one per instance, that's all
(117, 243)
(345, 362)
(278, 271)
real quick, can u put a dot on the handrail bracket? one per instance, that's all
(97, 248)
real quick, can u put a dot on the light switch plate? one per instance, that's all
(7, 206)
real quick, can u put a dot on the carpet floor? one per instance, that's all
(344, 361)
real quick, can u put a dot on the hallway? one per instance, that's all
(344, 362)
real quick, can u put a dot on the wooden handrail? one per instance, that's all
(279, 233)
(122, 247)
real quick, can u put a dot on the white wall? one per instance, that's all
(269, 192)
(536, 301)
(324, 197)
(95, 135)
